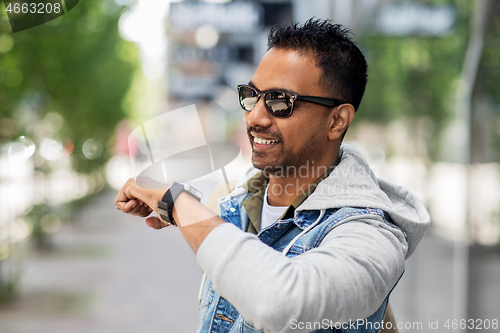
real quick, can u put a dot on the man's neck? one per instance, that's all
(283, 190)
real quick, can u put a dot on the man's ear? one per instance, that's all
(342, 117)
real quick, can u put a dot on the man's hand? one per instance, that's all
(195, 221)
(140, 201)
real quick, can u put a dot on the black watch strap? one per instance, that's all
(166, 205)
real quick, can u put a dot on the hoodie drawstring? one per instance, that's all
(289, 246)
(200, 292)
(285, 251)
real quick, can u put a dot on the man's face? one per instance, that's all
(300, 139)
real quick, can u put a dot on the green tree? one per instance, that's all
(78, 66)
(416, 76)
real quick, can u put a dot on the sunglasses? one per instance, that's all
(278, 103)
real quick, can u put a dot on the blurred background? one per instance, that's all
(73, 90)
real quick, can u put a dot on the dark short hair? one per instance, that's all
(342, 64)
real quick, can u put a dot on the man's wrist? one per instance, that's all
(184, 200)
(169, 199)
(149, 196)
(153, 196)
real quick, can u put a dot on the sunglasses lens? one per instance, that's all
(248, 98)
(279, 103)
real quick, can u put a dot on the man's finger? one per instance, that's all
(128, 206)
(139, 210)
(154, 222)
(144, 211)
(121, 197)
(124, 193)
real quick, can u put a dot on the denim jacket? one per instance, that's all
(217, 315)
(293, 237)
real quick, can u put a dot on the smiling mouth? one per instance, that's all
(263, 141)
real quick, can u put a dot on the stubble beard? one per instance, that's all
(286, 164)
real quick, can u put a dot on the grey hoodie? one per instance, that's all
(345, 278)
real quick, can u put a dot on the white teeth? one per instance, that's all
(264, 142)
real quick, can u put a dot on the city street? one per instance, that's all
(94, 92)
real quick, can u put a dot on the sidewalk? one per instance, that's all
(109, 272)
(425, 294)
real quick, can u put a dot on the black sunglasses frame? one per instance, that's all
(329, 102)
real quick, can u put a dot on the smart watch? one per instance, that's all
(166, 204)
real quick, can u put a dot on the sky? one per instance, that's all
(144, 24)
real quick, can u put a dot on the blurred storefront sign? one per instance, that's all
(235, 17)
(192, 86)
(220, 53)
(410, 18)
(208, 40)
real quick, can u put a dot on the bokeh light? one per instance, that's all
(6, 43)
(206, 36)
(92, 149)
(20, 150)
(50, 223)
(51, 149)
(21, 230)
(4, 250)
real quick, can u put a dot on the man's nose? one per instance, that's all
(259, 116)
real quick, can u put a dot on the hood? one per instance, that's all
(353, 184)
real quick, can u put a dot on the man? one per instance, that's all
(331, 238)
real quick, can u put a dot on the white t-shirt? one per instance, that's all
(270, 213)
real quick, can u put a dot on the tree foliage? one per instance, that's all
(415, 77)
(488, 92)
(78, 66)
